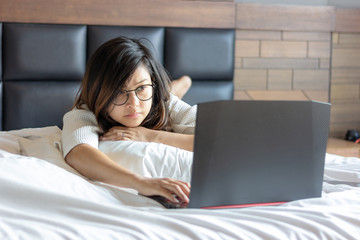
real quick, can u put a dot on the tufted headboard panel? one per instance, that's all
(41, 65)
(207, 56)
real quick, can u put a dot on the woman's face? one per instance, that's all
(134, 111)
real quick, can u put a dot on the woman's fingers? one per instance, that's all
(178, 188)
(115, 134)
(166, 187)
(123, 133)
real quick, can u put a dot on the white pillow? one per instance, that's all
(9, 140)
(47, 148)
(150, 159)
(9, 143)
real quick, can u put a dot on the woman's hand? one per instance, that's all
(165, 187)
(140, 134)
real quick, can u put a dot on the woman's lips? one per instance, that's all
(133, 115)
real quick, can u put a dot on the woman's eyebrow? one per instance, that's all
(139, 82)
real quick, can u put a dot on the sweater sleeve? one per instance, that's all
(79, 126)
(182, 115)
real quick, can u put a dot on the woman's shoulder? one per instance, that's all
(182, 115)
(83, 114)
(83, 110)
(174, 102)
(178, 105)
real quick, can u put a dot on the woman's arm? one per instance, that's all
(179, 140)
(80, 140)
(97, 166)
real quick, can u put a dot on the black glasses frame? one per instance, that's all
(136, 94)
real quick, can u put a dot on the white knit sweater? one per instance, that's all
(80, 125)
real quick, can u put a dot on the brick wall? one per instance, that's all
(345, 83)
(282, 65)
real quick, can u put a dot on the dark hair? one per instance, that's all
(108, 71)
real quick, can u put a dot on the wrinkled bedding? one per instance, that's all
(44, 198)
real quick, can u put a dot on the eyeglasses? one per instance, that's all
(143, 93)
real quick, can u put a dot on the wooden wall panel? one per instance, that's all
(347, 20)
(212, 14)
(285, 17)
(125, 12)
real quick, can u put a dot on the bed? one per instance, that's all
(44, 198)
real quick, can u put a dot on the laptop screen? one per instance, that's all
(258, 152)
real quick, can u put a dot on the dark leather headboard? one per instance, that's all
(41, 65)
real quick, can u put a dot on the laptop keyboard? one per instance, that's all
(169, 204)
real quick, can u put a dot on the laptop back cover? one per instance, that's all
(248, 152)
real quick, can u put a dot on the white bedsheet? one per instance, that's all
(46, 199)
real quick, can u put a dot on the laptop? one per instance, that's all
(258, 153)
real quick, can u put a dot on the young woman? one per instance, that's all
(125, 95)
